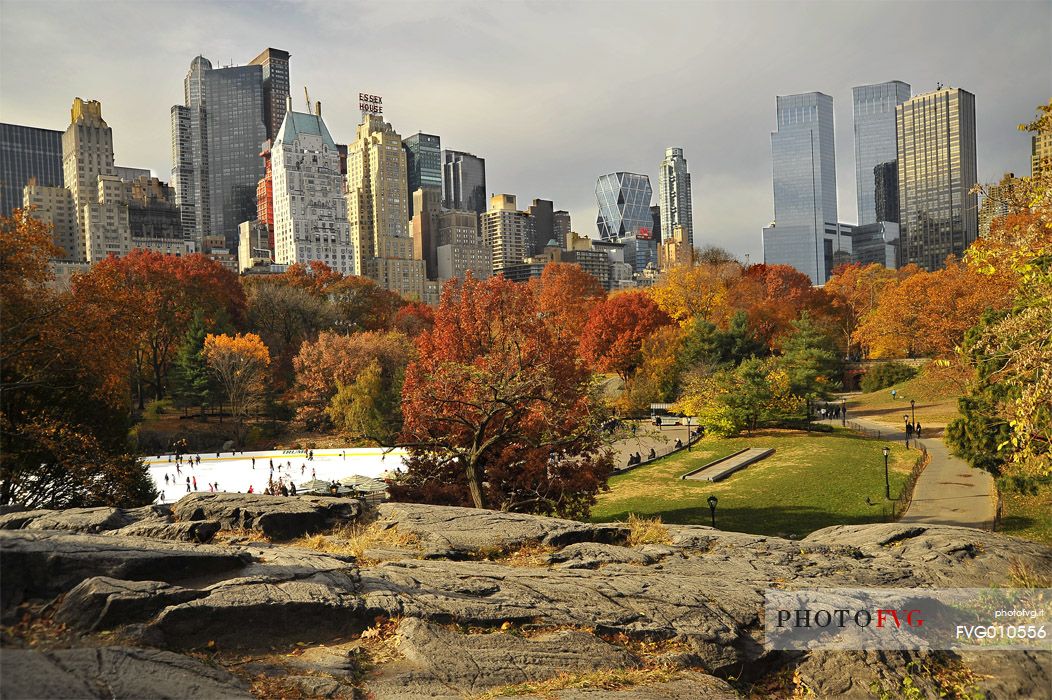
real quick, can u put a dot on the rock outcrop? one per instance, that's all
(585, 615)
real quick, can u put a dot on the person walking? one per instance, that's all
(195, 483)
(917, 429)
(165, 479)
(188, 484)
(292, 487)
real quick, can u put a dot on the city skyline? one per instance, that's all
(485, 97)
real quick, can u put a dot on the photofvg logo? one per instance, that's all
(905, 618)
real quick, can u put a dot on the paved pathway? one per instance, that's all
(648, 436)
(949, 491)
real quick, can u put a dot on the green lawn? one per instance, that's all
(1026, 516)
(935, 391)
(812, 480)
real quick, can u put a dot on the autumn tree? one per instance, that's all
(314, 277)
(368, 408)
(239, 363)
(359, 304)
(156, 296)
(702, 290)
(854, 292)
(64, 371)
(413, 319)
(192, 382)
(498, 410)
(566, 295)
(334, 360)
(612, 339)
(755, 393)
(285, 316)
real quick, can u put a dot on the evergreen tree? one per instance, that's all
(193, 383)
(809, 357)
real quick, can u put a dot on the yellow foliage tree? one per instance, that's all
(239, 362)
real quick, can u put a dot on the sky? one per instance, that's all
(551, 94)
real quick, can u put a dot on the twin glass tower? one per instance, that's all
(914, 168)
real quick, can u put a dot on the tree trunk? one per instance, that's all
(475, 484)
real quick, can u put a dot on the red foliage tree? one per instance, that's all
(155, 296)
(498, 411)
(413, 319)
(566, 295)
(612, 339)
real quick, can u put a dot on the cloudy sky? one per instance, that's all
(552, 94)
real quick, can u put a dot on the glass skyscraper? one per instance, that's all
(875, 143)
(464, 181)
(216, 140)
(939, 215)
(275, 63)
(674, 195)
(27, 152)
(624, 205)
(423, 158)
(805, 233)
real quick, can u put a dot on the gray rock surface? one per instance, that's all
(279, 518)
(45, 563)
(192, 531)
(468, 530)
(441, 663)
(120, 673)
(90, 520)
(104, 603)
(703, 590)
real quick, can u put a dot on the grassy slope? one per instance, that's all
(1029, 517)
(935, 390)
(810, 482)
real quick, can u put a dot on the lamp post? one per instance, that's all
(843, 411)
(712, 508)
(688, 433)
(913, 411)
(887, 483)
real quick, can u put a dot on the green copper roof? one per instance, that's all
(296, 123)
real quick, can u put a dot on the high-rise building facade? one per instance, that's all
(423, 161)
(561, 226)
(624, 205)
(54, 206)
(506, 231)
(216, 137)
(875, 143)
(1040, 153)
(463, 181)
(27, 153)
(460, 248)
(937, 170)
(275, 65)
(674, 197)
(876, 243)
(886, 191)
(310, 212)
(542, 226)
(805, 233)
(427, 205)
(378, 209)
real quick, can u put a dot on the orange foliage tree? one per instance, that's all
(335, 359)
(63, 387)
(498, 411)
(566, 295)
(612, 340)
(155, 297)
(239, 363)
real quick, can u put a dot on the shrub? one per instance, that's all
(886, 374)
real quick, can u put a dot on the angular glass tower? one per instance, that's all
(805, 233)
(874, 111)
(624, 205)
(423, 157)
(938, 213)
(463, 181)
(27, 152)
(216, 138)
(674, 195)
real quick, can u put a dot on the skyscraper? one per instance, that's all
(506, 231)
(275, 64)
(1040, 153)
(561, 226)
(624, 205)
(463, 181)
(310, 212)
(216, 137)
(937, 170)
(542, 226)
(886, 191)
(805, 233)
(460, 248)
(27, 152)
(874, 112)
(423, 163)
(378, 210)
(674, 196)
